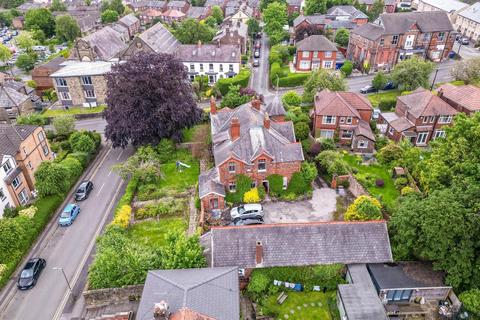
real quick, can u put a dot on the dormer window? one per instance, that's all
(231, 167)
(262, 165)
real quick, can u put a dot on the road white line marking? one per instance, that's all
(120, 154)
(109, 173)
(100, 190)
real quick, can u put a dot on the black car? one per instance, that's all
(246, 222)
(83, 190)
(389, 86)
(30, 273)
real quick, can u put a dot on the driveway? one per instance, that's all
(319, 208)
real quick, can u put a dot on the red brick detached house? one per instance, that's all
(419, 117)
(345, 115)
(252, 140)
(394, 37)
(465, 99)
(315, 52)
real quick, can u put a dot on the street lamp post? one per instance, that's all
(65, 277)
(434, 78)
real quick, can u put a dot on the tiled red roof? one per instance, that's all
(467, 96)
(422, 102)
(340, 103)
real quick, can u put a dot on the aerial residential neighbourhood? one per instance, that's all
(239, 159)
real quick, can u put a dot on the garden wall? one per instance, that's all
(355, 187)
(105, 297)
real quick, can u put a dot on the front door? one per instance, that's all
(214, 203)
(265, 185)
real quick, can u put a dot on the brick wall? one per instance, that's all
(96, 298)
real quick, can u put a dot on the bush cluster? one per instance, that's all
(244, 184)
(251, 196)
(166, 207)
(387, 104)
(331, 163)
(471, 302)
(240, 79)
(122, 217)
(364, 208)
(293, 80)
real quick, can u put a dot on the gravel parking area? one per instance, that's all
(319, 208)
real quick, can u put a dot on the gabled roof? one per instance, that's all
(173, 13)
(446, 5)
(316, 43)
(80, 68)
(11, 136)
(129, 20)
(313, 19)
(340, 103)
(208, 53)
(275, 108)
(467, 96)
(106, 43)
(297, 244)
(176, 4)
(9, 97)
(422, 102)
(159, 39)
(346, 11)
(149, 4)
(212, 292)
(208, 183)
(241, 28)
(364, 129)
(472, 12)
(196, 12)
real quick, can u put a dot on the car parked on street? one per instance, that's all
(30, 273)
(246, 222)
(390, 85)
(69, 214)
(247, 211)
(256, 63)
(368, 89)
(465, 41)
(83, 190)
(256, 54)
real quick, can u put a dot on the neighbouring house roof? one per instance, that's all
(369, 30)
(129, 20)
(241, 28)
(212, 3)
(316, 43)
(208, 53)
(472, 12)
(313, 19)
(359, 298)
(149, 4)
(196, 12)
(78, 69)
(159, 39)
(297, 244)
(212, 292)
(340, 103)
(188, 314)
(337, 24)
(31, 5)
(275, 108)
(87, 22)
(11, 136)
(364, 129)
(106, 43)
(467, 96)
(446, 5)
(151, 12)
(296, 3)
(209, 183)
(278, 141)
(371, 2)
(120, 28)
(173, 13)
(10, 97)
(346, 11)
(422, 102)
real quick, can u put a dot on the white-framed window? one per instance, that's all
(422, 138)
(329, 119)
(201, 67)
(23, 196)
(61, 82)
(262, 165)
(441, 36)
(432, 119)
(328, 54)
(87, 80)
(362, 144)
(2, 195)
(221, 67)
(89, 93)
(210, 67)
(439, 134)
(347, 134)
(327, 64)
(342, 119)
(395, 39)
(41, 136)
(65, 95)
(305, 54)
(230, 67)
(232, 187)
(424, 119)
(391, 130)
(7, 166)
(445, 119)
(231, 167)
(192, 67)
(45, 149)
(349, 120)
(16, 183)
(315, 54)
(305, 64)
(327, 134)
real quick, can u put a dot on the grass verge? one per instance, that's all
(73, 111)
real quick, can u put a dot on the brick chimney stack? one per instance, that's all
(213, 105)
(256, 103)
(440, 92)
(266, 121)
(234, 129)
(258, 253)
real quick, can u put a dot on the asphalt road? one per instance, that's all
(68, 247)
(259, 80)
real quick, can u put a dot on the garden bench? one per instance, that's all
(282, 297)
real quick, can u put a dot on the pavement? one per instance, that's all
(320, 208)
(466, 51)
(259, 81)
(69, 248)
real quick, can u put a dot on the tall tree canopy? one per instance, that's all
(149, 98)
(41, 19)
(190, 31)
(115, 5)
(57, 5)
(67, 28)
(217, 13)
(413, 73)
(322, 79)
(253, 26)
(275, 18)
(264, 3)
(376, 9)
(109, 16)
(342, 36)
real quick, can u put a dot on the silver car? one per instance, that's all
(247, 211)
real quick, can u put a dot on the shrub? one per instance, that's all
(28, 212)
(50, 179)
(276, 70)
(243, 184)
(309, 171)
(81, 142)
(327, 144)
(164, 208)
(293, 80)
(32, 119)
(471, 301)
(344, 183)
(347, 68)
(302, 130)
(332, 163)
(387, 104)
(127, 197)
(400, 183)
(73, 167)
(291, 98)
(122, 217)
(390, 153)
(290, 196)
(64, 125)
(82, 157)
(364, 208)
(407, 190)
(306, 145)
(240, 79)
(166, 150)
(379, 183)
(10, 212)
(3, 268)
(275, 183)
(258, 285)
(365, 179)
(380, 142)
(251, 196)
(315, 149)
(15, 232)
(297, 184)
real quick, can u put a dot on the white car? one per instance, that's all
(247, 211)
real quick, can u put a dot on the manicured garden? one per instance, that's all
(73, 111)
(279, 59)
(385, 100)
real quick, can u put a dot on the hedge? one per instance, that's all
(240, 79)
(275, 184)
(387, 105)
(276, 69)
(293, 80)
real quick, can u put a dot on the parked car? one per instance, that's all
(83, 190)
(256, 63)
(258, 45)
(389, 86)
(246, 222)
(465, 41)
(246, 211)
(368, 89)
(30, 273)
(256, 54)
(376, 114)
(69, 214)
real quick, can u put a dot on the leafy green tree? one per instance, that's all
(64, 125)
(376, 9)
(115, 5)
(67, 28)
(6, 19)
(26, 61)
(291, 99)
(73, 168)
(39, 36)
(471, 301)
(233, 98)
(309, 171)
(217, 13)
(81, 142)
(347, 68)
(50, 179)
(301, 130)
(253, 26)
(264, 3)
(364, 208)
(190, 31)
(275, 18)
(40, 19)
(332, 163)
(467, 70)
(182, 252)
(380, 80)
(15, 233)
(342, 36)
(25, 41)
(315, 6)
(144, 165)
(322, 79)
(109, 16)
(5, 53)
(412, 73)
(32, 119)
(57, 5)
(211, 22)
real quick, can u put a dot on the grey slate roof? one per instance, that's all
(78, 69)
(346, 11)
(9, 97)
(208, 183)
(278, 141)
(106, 42)
(369, 30)
(472, 12)
(129, 20)
(149, 4)
(316, 43)
(11, 136)
(313, 19)
(242, 31)
(297, 244)
(208, 53)
(446, 5)
(159, 39)
(359, 298)
(213, 292)
(176, 4)
(275, 108)
(297, 3)
(196, 12)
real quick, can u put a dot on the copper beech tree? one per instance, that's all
(149, 98)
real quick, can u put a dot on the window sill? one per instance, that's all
(262, 170)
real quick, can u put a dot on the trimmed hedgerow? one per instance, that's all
(240, 79)
(275, 183)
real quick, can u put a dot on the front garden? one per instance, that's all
(50, 113)
(279, 59)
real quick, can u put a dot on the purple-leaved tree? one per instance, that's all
(149, 98)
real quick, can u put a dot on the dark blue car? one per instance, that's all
(69, 214)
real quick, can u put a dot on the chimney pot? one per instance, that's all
(258, 253)
(234, 129)
(266, 121)
(256, 103)
(160, 311)
(213, 105)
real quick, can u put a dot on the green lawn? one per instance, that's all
(73, 111)
(302, 305)
(388, 193)
(152, 232)
(375, 98)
